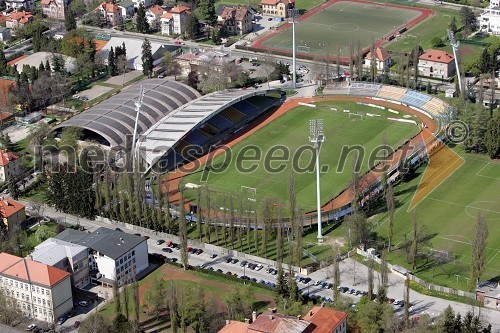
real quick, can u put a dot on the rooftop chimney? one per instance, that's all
(272, 310)
(247, 321)
(227, 321)
(298, 317)
(254, 316)
(310, 312)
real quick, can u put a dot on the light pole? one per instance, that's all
(294, 14)
(317, 136)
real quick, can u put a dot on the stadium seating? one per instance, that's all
(208, 131)
(364, 89)
(247, 108)
(220, 122)
(435, 107)
(415, 99)
(196, 138)
(232, 114)
(180, 146)
(392, 93)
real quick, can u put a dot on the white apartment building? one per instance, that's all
(17, 4)
(489, 20)
(113, 255)
(40, 291)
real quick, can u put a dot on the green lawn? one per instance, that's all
(449, 215)
(340, 26)
(33, 240)
(291, 131)
(299, 4)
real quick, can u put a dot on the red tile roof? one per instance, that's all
(30, 271)
(326, 320)
(179, 9)
(437, 56)
(167, 16)
(6, 157)
(19, 16)
(156, 10)
(9, 207)
(46, 2)
(236, 12)
(234, 327)
(381, 54)
(273, 322)
(275, 2)
(108, 7)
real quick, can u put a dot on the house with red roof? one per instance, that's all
(17, 20)
(153, 15)
(277, 8)
(55, 9)
(318, 320)
(11, 212)
(40, 291)
(381, 59)
(173, 21)
(110, 14)
(9, 165)
(436, 63)
(237, 20)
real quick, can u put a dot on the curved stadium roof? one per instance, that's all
(114, 118)
(153, 144)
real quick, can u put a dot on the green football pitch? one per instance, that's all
(342, 25)
(291, 130)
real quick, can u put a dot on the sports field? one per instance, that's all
(291, 131)
(337, 26)
(449, 214)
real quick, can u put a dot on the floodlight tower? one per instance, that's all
(138, 104)
(317, 136)
(454, 45)
(294, 15)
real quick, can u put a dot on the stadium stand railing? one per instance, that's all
(393, 93)
(415, 99)
(364, 89)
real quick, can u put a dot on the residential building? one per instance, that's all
(145, 3)
(236, 20)
(17, 20)
(134, 50)
(110, 13)
(9, 165)
(179, 14)
(318, 320)
(40, 291)
(436, 63)
(381, 57)
(55, 9)
(17, 4)
(127, 8)
(489, 20)
(489, 293)
(69, 257)
(201, 61)
(167, 24)
(153, 15)
(5, 34)
(113, 255)
(277, 8)
(12, 212)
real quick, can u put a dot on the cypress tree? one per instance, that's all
(3, 63)
(111, 62)
(147, 59)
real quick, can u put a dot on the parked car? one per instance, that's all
(243, 263)
(61, 320)
(83, 303)
(306, 280)
(160, 241)
(228, 260)
(118, 229)
(169, 244)
(234, 261)
(253, 279)
(219, 271)
(228, 273)
(390, 300)
(213, 256)
(76, 324)
(199, 251)
(258, 267)
(30, 327)
(352, 291)
(167, 250)
(138, 234)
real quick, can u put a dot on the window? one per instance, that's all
(37, 290)
(133, 252)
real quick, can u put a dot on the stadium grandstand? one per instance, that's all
(111, 122)
(430, 106)
(194, 128)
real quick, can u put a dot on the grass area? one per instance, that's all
(331, 31)
(33, 240)
(291, 131)
(449, 215)
(299, 4)
(455, 298)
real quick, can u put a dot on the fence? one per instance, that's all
(198, 244)
(434, 287)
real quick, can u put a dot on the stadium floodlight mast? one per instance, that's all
(138, 104)
(317, 136)
(293, 14)
(454, 45)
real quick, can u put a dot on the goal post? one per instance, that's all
(250, 192)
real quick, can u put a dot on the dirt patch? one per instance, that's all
(13, 61)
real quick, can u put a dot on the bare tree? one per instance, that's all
(370, 278)
(390, 202)
(126, 301)
(336, 274)
(407, 302)
(208, 227)
(183, 228)
(383, 280)
(279, 237)
(265, 206)
(478, 249)
(121, 66)
(418, 238)
(116, 298)
(198, 214)
(354, 271)
(136, 301)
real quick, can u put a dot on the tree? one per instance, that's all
(492, 136)
(192, 26)
(436, 41)
(478, 249)
(485, 62)
(3, 63)
(70, 20)
(453, 25)
(10, 313)
(371, 263)
(183, 229)
(58, 64)
(172, 67)
(95, 323)
(468, 19)
(141, 23)
(336, 274)
(42, 233)
(383, 280)
(407, 301)
(147, 58)
(207, 10)
(390, 202)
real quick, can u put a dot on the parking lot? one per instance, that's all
(92, 93)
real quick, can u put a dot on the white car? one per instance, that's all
(259, 267)
(83, 303)
(31, 327)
